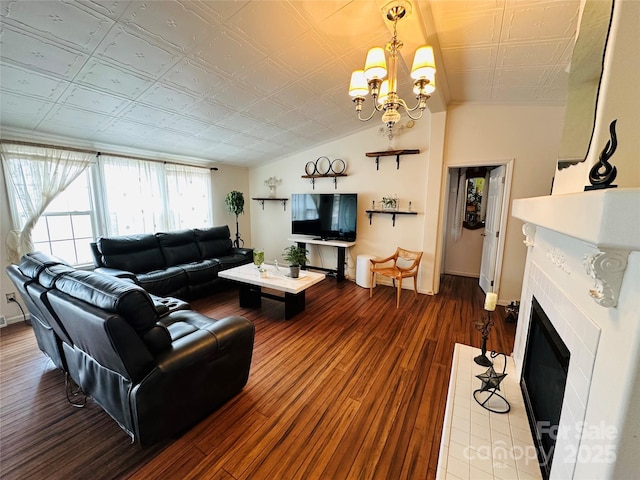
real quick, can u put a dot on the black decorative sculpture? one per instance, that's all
(603, 173)
(484, 327)
(492, 401)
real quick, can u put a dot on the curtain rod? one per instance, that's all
(83, 150)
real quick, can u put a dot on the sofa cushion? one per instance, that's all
(166, 305)
(33, 263)
(47, 277)
(113, 295)
(232, 260)
(214, 242)
(201, 272)
(171, 281)
(179, 247)
(134, 253)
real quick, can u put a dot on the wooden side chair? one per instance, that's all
(405, 265)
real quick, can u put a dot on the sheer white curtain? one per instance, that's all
(133, 195)
(36, 175)
(461, 205)
(189, 197)
(145, 197)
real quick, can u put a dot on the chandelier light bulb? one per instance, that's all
(425, 90)
(424, 64)
(425, 86)
(358, 86)
(376, 64)
(384, 92)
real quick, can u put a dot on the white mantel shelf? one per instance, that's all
(608, 218)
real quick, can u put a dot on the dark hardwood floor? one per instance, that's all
(350, 388)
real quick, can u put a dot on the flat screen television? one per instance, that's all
(325, 216)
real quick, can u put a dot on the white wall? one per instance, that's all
(271, 227)
(10, 311)
(619, 98)
(225, 180)
(484, 135)
(475, 135)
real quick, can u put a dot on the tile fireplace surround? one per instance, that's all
(583, 267)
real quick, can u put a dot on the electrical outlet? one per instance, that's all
(11, 297)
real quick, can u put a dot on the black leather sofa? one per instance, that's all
(156, 367)
(183, 264)
(25, 280)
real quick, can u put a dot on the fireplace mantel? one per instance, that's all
(572, 240)
(607, 218)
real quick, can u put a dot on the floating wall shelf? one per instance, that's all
(393, 214)
(326, 175)
(390, 153)
(261, 201)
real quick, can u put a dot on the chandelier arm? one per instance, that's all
(404, 104)
(369, 117)
(418, 117)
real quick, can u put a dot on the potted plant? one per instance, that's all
(296, 257)
(235, 205)
(390, 203)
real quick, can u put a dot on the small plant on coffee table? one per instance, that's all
(296, 257)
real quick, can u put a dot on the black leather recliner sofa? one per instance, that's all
(25, 280)
(183, 264)
(155, 373)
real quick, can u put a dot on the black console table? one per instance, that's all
(340, 245)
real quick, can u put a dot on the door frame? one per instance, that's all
(506, 196)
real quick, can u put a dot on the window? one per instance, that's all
(65, 229)
(36, 176)
(149, 197)
(133, 193)
(114, 196)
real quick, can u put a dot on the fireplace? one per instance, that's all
(583, 272)
(543, 382)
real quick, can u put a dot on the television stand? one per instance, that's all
(339, 244)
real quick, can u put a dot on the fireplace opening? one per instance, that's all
(544, 377)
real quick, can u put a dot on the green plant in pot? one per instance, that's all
(296, 257)
(235, 205)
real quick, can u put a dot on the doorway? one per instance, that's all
(465, 245)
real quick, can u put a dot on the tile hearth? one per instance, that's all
(479, 444)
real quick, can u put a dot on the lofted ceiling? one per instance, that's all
(245, 82)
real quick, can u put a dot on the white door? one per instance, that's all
(492, 229)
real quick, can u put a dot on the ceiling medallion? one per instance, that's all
(384, 90)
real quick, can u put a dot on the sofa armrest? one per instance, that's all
(189, 350)
(115, 272)
(201, 371)
(210, 339)
(247, 252)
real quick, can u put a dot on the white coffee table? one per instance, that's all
(251, 282)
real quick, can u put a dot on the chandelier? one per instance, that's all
(384, 91)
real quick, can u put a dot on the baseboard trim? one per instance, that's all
(10, 320)
(461, 274)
